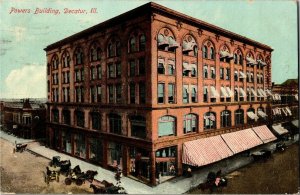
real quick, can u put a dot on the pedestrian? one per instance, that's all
(189, 172)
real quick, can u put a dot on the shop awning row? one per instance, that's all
(276, 96)
(295, 123)
(279, 129)
(285, 110)
(209, 150)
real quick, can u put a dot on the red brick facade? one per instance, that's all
(114, 75)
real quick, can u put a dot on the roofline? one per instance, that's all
(154, 7)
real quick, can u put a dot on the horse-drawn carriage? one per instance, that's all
(21, 147)
(75, 175)
(213, 181)
(65, 165)
(52, 173)
(261, 155)
(105, 187)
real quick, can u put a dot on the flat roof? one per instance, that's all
(156, 8)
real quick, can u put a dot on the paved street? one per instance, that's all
(13, 166)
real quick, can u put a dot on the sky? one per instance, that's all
(23, 36)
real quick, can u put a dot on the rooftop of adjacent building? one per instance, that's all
(149, 8)
(24, 103)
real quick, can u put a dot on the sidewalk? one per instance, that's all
(178, 185)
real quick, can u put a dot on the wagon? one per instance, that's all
(51, 174)
(20, 147)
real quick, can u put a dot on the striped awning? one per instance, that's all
(241, 140)
(264, 133)
(204, 151)
(279, 129)
(224, 93)
(295, 123)
(213, 92)
(262, 114)
(252, 115)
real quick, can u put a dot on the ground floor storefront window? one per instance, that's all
(95, 150)
(166, 163)
(114, 155)
(56, 144)
(139, 163)
(79, 146)
(66, 142)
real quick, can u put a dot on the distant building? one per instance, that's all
(25, 119)
(285, 106)
(136, 91)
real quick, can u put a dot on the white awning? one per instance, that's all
(186, 66)
(173, 43)
(262, 114)
(252, 115)
(226, 54)
(242, 75)
(269, 92)
(162, 40)
(263, 92)
(230, 93)
(259, 94)
(213, 92)
(279, 129)
(224, 93)
(261, 62)
(187, 46)
(251, 61)
(295, 123)
(296, 96)
(193, 87)
(253, 92)
(186, 87)
(193, 66)
(172, 63)
(285, 112)
(288, 110)
(242, 92)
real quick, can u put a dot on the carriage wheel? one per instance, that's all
(68, 181)
(79, 182)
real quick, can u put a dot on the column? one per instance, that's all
(153, 169)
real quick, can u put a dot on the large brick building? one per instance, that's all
(131, 91)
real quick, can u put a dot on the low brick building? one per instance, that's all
(25, 118)
(133, 90)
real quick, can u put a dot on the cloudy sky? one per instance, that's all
(23, 36)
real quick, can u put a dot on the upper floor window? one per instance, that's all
(111, 70)
(142, 66)
(55, 114)
(212, 53)
(110, 93)
(171, 93)
(132, 93)
(78, 56)
(194, 93)
(166, 126)
(132, 45)
(118, 93)
(190, 123)
(118, 48)
(95, 53)
(66, 117)
(222, 73)
(209, 120)
(239, 117)
(115, 123)
(166, 41)
(110, 49)
(238, 57)
(114, 48)
(205, 94)
(55, 62)
(189, 46)
(96, 120)
(142, 93)
(142, 43)
(185, 94)
(225, 118)
(204, 52)
(225, 54)
(161, 67)
(212, 72)
(160, 92)
(205, 71)
(79, 118)
(66, 59)
(138, 126)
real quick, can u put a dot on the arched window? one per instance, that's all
(235, 58)
(110, 50)
(241, 59)
(95, 53)
(142, 45)
(118, 48)
(190, 123)
(189, 46)
(239, 117)
(166, 40)
(225, 118)
(115, 123)
(66, 59)
(132, 45)
(55, 62)
(209, 120)
(78, 56)
(166, 126)
(204, 52)
(138, 126)
(212, 53)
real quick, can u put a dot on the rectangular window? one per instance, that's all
(205, 72)
(132, 68)
(185, 94)
(119, 69)
(142, 66)
(212, 73)
(96, 121)
(110, 94)
(93, 94)
(66, 117)
(99, 72)
(194, 94)
(171, 93)
(80, 118)
(82, 74)
(93, 73)
(222, 73)
(119, 93)
(111, 71)
(227, 73)
(142, 91)
(205, 94)
(132, 93)
(170, 69)
(160, 92)
(99, 92)
(160, 67)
